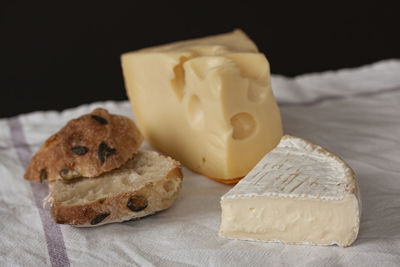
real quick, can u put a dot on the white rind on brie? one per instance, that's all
(298, 193)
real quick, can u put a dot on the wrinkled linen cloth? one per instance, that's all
(355, 113)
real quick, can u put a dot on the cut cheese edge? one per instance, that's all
(207, 102)
(299, 193)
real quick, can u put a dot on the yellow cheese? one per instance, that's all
(206, 102)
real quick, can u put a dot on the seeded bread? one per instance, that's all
(86, 147)
(147, 183)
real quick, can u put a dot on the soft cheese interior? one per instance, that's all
(298, 193)
(207, 102)
(290, 220)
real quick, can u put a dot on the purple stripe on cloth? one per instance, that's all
(52, 231)
(340, 97)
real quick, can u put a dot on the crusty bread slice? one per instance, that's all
(86, 147)
(144, 185)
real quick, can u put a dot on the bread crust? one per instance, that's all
(159, 195)
(87, 146)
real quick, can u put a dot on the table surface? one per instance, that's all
(354, 113)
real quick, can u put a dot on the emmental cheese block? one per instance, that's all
(299, 193)
(206, 102)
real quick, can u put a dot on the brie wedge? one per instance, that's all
(299, 193)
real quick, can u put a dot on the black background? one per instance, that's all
(57, 54)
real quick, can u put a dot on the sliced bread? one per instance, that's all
(147, 183)
(86, 146)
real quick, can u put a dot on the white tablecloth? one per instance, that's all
(354, 113)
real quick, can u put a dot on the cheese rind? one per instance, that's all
(298, 193)
(207, 102)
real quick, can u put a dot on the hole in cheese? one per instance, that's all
(203, 159)
(201, 67)
(255, 68)
(178, 82)
(195, 109)
(243, 125)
